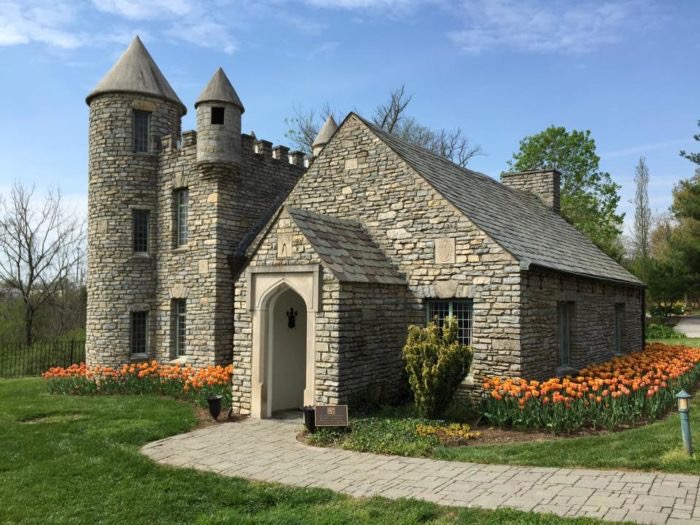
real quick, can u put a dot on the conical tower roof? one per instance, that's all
(326, 132)
(219, 89)
(136, 72)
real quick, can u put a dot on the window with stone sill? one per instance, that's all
(142, 131)
(139, 333)
(461, 309)
(179, 309)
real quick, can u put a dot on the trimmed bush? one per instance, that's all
(436, 363)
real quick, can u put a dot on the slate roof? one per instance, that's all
(345, 248)
(518, 221)
(219, 89)
(136, 72)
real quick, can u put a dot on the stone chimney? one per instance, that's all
(545, 183)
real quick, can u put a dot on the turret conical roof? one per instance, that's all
(136, 72)
(326, 132)
(219, 89)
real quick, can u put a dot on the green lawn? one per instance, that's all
(76, 460)
(685, 341)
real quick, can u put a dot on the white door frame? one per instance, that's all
(264, 285)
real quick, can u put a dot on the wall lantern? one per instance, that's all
(683, 398)
(292, 318)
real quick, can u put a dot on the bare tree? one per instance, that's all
(642, 218)
(304, 125)
(392, 117)
(40, 245)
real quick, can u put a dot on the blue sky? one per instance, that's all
(500, 70)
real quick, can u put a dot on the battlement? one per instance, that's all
(250, 146)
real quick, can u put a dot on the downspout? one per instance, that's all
(644, 315)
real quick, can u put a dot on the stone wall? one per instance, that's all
(543, 183)
(442, 254)
(372, 331)
(327, 317)
(120, 181)
(225, 201)
(592, 329)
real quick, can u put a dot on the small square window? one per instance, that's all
(142, 130)
(217, 115)
(140, 231)
(139, 333)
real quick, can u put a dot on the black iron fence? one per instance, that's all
(17, 360)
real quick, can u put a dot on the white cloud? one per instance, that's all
(143, 10)
(203, 33)
(43, 21)
(363, 4)
(546, 27)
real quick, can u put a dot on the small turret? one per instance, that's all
(219, 113)
(324, 136)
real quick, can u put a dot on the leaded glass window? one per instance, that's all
(181, 205)
(139, 333)
(180, 312)
(564, 317)
(142, 131)
(461, 309)
(140, 231)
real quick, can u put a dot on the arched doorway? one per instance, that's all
(270, 290)
(287, 352)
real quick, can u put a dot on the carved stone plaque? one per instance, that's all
(445, 250)
(284, 245)
(331, 415)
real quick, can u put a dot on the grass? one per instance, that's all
(67, 459)
(686, 341)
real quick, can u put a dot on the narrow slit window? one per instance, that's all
(619, 328)
(139, 333)
(140, 231)
(217, 115)
(462, 310)
(180, 312)
(142, 131)
(564, 317)
(181, 205)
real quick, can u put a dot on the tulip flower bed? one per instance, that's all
(181, 382)
(623, 391)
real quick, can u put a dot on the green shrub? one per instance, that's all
(662, 331)
(436, 363)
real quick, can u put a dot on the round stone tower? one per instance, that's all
(219, 113)
(131, 110)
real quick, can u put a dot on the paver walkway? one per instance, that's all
(267, 450)
(689, 326)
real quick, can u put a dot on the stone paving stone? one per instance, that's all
(268, 451)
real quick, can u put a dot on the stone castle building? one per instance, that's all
(213, 247)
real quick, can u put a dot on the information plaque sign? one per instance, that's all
(331, 415)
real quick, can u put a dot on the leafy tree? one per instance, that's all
(693, 157)
(589, 197)
(392, 117)
(685, 238)
(642, 220)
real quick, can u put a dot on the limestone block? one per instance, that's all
(445, 250)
